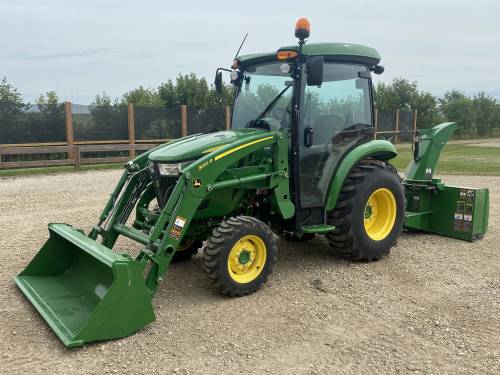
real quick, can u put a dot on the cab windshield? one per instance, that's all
(265, 94)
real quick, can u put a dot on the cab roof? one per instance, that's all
(331, 52)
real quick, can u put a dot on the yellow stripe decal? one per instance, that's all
(209, 150)
(220, 156)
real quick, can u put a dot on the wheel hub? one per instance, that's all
(368, 211)
(244, 257)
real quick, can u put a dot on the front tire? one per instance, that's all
(369, 214)
(240, 255)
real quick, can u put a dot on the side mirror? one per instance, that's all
(315, 71)
(218, 82)
(378, 69)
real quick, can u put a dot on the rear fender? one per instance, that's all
(376, 149)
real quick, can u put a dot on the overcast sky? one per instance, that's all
(82, 47)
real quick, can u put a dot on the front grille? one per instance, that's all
(163, 185)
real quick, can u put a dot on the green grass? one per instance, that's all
(460, 159)
(58, 169)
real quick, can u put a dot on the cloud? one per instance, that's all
(61, 55)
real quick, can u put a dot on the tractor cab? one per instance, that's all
(320, 96)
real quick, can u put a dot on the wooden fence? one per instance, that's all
(75, 154)
(395, 133)
(70, 138)
(75, 150)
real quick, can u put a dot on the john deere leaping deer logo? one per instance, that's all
(197, 183)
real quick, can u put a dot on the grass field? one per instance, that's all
(460, 159)
(472, 158)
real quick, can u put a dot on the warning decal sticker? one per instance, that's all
(175, 231)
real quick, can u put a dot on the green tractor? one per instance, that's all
(300, 159)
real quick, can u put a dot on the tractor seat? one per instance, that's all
(326, 126)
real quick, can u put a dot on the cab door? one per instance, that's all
(334, 117)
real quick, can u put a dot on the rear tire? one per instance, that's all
(240, 255)
(369, 214)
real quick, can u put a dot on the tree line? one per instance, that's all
(477, 115)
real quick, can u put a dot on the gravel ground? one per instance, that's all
(432, 306)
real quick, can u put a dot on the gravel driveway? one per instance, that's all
(432, 306)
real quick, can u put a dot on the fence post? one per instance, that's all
(396, 131)
(131, 129)
(69, 127)
(184, 131)
(227, 117)
(376, 123)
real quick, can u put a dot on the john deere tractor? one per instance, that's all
(300, 160)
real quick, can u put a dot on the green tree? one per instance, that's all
(456, 106)
(188, 89)
(110, 118)
(193, 91)
(50, 122)
(50, 106)
(102, 108)
(486, 112)
(476, 116)
(12, 108)
(404, 95)
(11, 101)
(143, 97)
(398, 94)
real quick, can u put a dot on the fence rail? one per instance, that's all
(74, 154)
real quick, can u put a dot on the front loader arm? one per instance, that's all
(87, 292)
(201, 178)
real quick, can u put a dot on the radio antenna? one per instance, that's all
(241, 45)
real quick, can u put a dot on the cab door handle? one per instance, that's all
(308, 137)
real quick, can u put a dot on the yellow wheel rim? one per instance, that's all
(380, 214)
(247, 259)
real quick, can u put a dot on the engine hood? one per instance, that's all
(196, 146)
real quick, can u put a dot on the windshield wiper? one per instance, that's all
(270, 105)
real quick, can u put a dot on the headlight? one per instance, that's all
(172, 169)
(169, 169)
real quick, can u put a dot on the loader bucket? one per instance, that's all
(85, 291)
